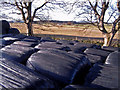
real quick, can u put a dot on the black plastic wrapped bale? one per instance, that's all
(93, 74)
(10, 39)
(13, 31)
(47, 39)
(20, 36)
(66, 42)
(2, 43)
(80, 47)
(53, 45)
(95, 58)
(6, 35)
(76, 87)
(17, 53)
(32, 39)
(97, 52)
(4, 27)
(25, 43)
(111, 49)
(65, 48)
(44, 45)
(59, 65)
(5, 42)
(102, 76)
(113, 58)
(14, 75)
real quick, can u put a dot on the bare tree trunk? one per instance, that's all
(111, 39)
(106, 39)
(29, 29)
(29, 23)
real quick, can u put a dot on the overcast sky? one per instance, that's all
(58, 14)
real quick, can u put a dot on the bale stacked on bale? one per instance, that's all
(13, 31)
(4, 27)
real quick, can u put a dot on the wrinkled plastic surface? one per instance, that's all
(95, 58)
(97, 52)
(66, 42)
(102, 76)
(111, 49)
(5, 42)
(15, 75)
(13, 31)
(80, 47)
(25, 43)
(17, 53)
(58, 65)
(10, 38)
(5, 26)
(47, 39)
(20, 36)
(113, 58)
(32, 39)
(53, 45)
(74, 87)
(6, 35)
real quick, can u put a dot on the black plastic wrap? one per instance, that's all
(44, 45)
(32, 39)
(20, 36)
(113, 58)
(66, 42)
(14, 75)
(53, 45)
(5, 42)
(17, 53)
(80, 47)
(95, 58)
(111, 49)
(97, 52)
(14, 31)
(5, 26)
(25, 43)
(58, 65)
(102, 76)
(47, 39)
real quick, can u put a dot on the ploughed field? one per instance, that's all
(41, 62)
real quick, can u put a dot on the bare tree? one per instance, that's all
(95, 10)
(100, 21)
(28, 15)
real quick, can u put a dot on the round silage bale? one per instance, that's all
(4, 27)
(13, 31)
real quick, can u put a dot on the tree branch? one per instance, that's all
(21, 9)
(94, 8)
(38, 9)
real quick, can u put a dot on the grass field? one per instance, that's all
(84, 30)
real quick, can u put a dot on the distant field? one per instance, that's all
(84, 30)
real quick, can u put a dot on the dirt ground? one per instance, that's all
(83, 30)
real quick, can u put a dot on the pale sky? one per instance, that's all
(57, 14)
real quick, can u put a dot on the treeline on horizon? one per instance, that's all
(55, 21)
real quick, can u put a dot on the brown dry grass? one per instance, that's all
(84, 30)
